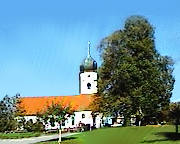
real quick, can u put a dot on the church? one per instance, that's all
(79, 103)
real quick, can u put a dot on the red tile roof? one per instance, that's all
(33, 105)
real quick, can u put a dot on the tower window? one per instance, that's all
(88, 85)
(83, 115)
(88, 75)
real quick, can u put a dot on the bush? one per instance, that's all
(38, 127)
(34, 127)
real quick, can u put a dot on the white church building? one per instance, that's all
(80, 103)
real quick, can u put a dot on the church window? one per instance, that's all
(52, 122)
(88, 85)
(63, 123)
(83, 115)
(88, 75)
(72, 120)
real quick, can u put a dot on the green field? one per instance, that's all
(18, 135)
(125, 135)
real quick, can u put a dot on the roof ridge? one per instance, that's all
(54, 96)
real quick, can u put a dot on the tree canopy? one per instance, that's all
(134, 79)
(8, 112)
(55, 113)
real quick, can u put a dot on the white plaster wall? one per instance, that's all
(88, 77)
(87, 120)
(77, 119)
(68, 123)
(34, 118)
(98, 121)
(49, 127)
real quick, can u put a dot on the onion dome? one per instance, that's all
(88, 64)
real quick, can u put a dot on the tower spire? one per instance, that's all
(89, 46)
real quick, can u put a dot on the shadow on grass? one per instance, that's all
(172, 136)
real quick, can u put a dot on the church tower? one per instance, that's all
(88, 75)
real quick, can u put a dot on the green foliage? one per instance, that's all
(8, 113)
(20, 110)
(134, 79)
(11, 116)
(55, 113)
(38, 126)
(18, 135)
(29, 125)
(21, 122)
(174, 114)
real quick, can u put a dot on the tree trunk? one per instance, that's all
(139, 122)
(59, 141)
(59, 136)
(176, 128)
(126, 121)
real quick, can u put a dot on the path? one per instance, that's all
(33, 139)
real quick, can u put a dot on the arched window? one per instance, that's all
(88, 85)
(72, 120)
(83, 115)
(63, 123)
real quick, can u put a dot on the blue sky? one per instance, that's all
(42, 43)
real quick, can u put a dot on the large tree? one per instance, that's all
(134, 79)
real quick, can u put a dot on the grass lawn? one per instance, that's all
(18, 135)
(125, 135)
